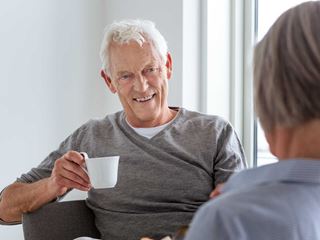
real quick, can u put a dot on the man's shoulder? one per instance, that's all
(108, 121)
(199, 121)
(199, 116)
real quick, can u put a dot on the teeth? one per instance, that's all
(144, 98)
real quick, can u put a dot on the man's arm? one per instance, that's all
(19, 198)
(230, 157)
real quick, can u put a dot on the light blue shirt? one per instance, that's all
(279, 201)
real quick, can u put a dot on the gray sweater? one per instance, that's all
(162, 181)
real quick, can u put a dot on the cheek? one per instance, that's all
(123, 90)
(158, 83)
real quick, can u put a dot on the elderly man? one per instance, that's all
(170, 158)
(279, 201)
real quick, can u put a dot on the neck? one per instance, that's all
(166, 117)
(300, 141)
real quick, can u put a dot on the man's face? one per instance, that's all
(140, 77)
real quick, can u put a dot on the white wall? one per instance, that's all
(218, 58)
(49, 71)
(191, 55)
(49, 80)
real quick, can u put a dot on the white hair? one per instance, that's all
(125, 31)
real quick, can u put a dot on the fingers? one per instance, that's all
(75, 157)
(75, 177)
(70, 183)
(78, 170)
(68, 172)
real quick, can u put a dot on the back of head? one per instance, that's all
(125, 31)
(287, 69)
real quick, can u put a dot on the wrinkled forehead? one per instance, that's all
(132, 57)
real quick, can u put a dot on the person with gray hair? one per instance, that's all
(170, 158)
(278, 201)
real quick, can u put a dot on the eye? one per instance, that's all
(150, 70)
(125, 77)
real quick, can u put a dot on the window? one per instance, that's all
(228, 39)
(230, 30)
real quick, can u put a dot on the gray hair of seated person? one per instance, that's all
(287, 69)
(124, 31)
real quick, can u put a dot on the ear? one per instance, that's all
(169, 65)
(108, 81)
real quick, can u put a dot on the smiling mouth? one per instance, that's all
(144, 99)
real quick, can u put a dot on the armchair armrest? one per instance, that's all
(60, 220)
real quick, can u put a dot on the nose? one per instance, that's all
(140, 83)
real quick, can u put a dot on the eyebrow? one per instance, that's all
(150, 64)
(123, 73)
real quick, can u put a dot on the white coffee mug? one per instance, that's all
(102, 171)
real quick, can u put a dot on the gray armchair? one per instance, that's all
(60, 220)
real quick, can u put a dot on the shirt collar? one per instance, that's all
(294, 170)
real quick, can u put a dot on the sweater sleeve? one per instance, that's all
(230, 156)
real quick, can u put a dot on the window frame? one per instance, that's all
(240, 17)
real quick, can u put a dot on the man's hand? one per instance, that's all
(19, 198)
(217, 191)
(68, 172)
